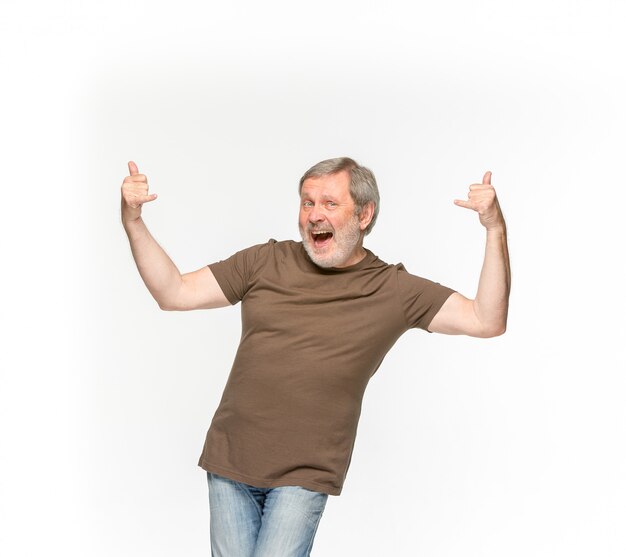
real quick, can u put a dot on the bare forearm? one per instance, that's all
(158, 271)
(492, 298)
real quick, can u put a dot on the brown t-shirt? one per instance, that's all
(311, 339)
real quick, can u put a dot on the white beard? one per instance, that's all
(341, 247)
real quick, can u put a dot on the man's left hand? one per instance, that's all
(482, 199)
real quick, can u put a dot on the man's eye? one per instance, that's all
(331, 204)
(307, 204)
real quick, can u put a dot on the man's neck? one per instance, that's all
(357, 256)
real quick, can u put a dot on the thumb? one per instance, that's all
(487, 178)
(132, 168)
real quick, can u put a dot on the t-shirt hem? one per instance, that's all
(434, 310)
(259, 482)
(223, 284)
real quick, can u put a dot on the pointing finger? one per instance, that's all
(487, 178)
(461, 203)
(141, 199)
(132, 168)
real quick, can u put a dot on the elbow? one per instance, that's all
(166, 306)
(497, 332)
(491, 323)
(168, 301)
(493, 331)
(494, 327)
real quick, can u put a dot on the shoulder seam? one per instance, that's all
(398, 298)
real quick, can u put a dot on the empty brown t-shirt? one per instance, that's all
(311, 339)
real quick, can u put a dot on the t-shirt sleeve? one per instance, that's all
(236, 274)
(421, 298)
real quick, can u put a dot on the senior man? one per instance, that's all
(318, 317)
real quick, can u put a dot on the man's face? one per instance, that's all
(330, 230)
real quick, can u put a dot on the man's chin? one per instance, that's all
(324, 262)
(322, 258)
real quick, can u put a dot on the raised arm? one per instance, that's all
(170, 289)
(486, 315)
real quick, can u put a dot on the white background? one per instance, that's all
(510, 446)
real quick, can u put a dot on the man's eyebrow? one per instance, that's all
(324, 196)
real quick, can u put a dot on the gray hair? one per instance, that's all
(363, 188)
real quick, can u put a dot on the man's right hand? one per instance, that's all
(134, 194)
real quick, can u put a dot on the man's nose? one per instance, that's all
(316, 214)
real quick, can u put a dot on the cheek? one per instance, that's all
(340, 221)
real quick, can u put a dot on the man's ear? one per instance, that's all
(367, 214)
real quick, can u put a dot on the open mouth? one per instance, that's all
(321, 239)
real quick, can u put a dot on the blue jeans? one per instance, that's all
(249, 521)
